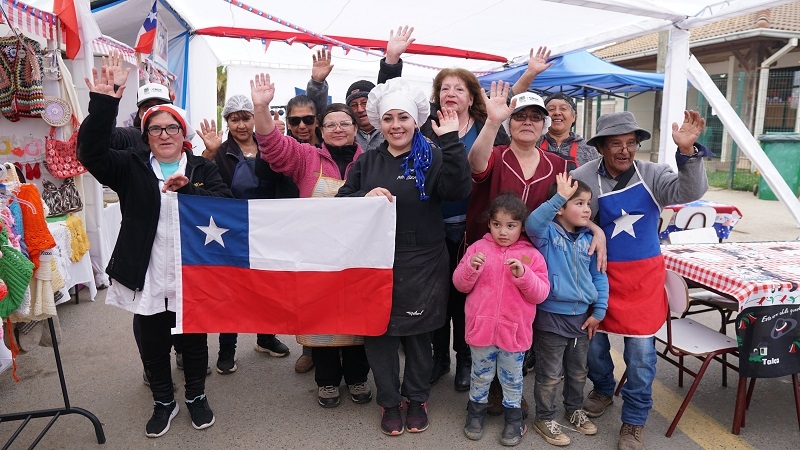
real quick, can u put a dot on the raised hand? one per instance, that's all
(686, 135)
(496, 108)
(101, 84)
(278, 122)
(538, 61)
(448, 121)
(261, 90)
(322, 66)
(398, 43)
(477, 260)
(117, 75)
(211, 138)
(565, 186)
(517, 269)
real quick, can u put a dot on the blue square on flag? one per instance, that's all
(214, 231)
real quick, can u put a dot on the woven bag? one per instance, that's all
(329, 340)
(61, 200)
(61, 158)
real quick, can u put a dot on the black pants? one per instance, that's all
(228, 340)
(137, 334)
(455, 311)
(384, 360)
(156, 349)
(329, 367)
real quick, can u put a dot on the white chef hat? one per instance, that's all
(397, 93)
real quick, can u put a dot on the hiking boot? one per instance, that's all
(202, 416)
(596, 403)
(392, 421)
(328, 396)
(360, 393)
(551, 432)
(226, 361)
(463, 373)
(476, 412)
(179, 363)
(303, 364)
(581, 422)
(162, 417)
(272, 346)
(631, 437)
(495, 407)
(514, 429)
(416, 417)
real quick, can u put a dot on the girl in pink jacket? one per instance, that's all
(504, 278)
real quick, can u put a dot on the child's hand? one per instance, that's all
(590, 326)
(517, 269)
(477, 260)
(566, 187)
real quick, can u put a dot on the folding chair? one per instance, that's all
(685, 337)
(691, 217)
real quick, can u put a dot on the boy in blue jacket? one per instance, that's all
(569, 316)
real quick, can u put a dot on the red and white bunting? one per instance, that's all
(104, 45)
(29, 19)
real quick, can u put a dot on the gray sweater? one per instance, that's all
(668, 187)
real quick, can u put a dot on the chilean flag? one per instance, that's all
(147, 33)
(289, 266)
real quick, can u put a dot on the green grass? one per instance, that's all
(742, 181)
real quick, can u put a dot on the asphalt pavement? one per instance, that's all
(265, 404)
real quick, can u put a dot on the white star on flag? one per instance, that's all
(213, 232)
(625, 223)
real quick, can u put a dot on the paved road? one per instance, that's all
(266, 405)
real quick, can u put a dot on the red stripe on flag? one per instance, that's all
(144, 43)
(222, 299)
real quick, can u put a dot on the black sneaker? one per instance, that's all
(392, 421)
(273, 346)
(202, 416)
(328, 396)
(416, 417)
(162, 417)
(226, 362)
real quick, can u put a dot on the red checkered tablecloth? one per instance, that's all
(753, 273)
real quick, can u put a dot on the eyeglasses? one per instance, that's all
(355, 104)
(330, 126)
(522, 117)
(631, 146)
(156, 131)
(295, 120)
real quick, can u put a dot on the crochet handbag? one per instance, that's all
(61, 158)
(61, 200)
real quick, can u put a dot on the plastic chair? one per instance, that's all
(685, 337)
(691, 217)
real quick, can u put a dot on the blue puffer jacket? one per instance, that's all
(575, 282)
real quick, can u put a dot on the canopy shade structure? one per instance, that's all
(581, 74)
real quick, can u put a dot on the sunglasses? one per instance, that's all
(295, 120)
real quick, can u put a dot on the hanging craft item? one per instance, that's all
(21, 90)
(57, 111)
(33, 171)
(61, 158)
(61, 200)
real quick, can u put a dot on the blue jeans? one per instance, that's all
(640, 369)
(557, 357)
(508, 365)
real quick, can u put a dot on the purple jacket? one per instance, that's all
(300, 161)
(500, 308)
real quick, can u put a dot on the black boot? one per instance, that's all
(441, 353)
(463, 372)
(514, 429)
(476, 412)
(441, 366)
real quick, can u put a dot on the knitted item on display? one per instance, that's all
(80, 240)
(15, 271)
(21, 90)
(37, 235)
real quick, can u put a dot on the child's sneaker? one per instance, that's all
(163, 413)
(360, 393)
(551, 432)
(202, 416)
(581, 421)
(392, 421)
(416, 417)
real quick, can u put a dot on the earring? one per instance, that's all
(33, 172)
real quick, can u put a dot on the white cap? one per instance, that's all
(152, 91)
(527, 99)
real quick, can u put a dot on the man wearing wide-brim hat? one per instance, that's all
(627, 198)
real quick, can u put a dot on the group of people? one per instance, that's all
(527, 238)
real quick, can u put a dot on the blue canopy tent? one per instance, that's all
(581, 74)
